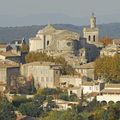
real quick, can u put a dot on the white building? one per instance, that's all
(110, 93)
(64, 105)
(91, 87)
(75, 90)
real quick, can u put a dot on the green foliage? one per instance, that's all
(43, 57)
(30, 109)
(64, 96)
(63, 115)
(18, 100)
(6, 110)
(24, 48)
(108, 68)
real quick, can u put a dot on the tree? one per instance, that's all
(63, 115)
(108, 68)
(106, 41)
(24, 48)
(30, 109)
(6, 110)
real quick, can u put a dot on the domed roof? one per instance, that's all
(48, 29)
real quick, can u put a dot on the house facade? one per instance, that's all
(45, 74)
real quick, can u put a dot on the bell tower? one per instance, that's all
(91, 33)
(92, 21)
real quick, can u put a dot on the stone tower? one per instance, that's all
(91, 33)
(92, 21)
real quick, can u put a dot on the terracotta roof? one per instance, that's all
(8, 64)
(90, 83)
(8, 54)
(86, 66)
(111, 91)
(51, 64)
(112, 85)
(74, 88)
(70, 76)
(3, 45)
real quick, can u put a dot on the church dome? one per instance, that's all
(49, 29)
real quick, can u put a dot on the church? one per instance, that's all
(74, 48)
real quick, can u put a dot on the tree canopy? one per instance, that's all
(108, 68)
(6, 110)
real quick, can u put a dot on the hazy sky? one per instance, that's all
(11, 11)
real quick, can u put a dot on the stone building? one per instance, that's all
(91, 33)
(45, 74)
(93, 45)
(63, 43)
(9, 55)
(50, 39)
(111, 49)
(111, 92)
(8, 71)
(69, 80)
(70, 45)
(86, 70)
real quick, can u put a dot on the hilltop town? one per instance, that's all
(61, 70)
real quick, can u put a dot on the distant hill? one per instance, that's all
(8, 34)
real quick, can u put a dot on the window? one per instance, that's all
(69, 44)
(48, 43)
(42, 79)
(47, 79)
(70, 92)
(94, 38)
(90, 88)
(89, 37)
(57, 72)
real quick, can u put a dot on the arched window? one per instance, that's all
(89, 38)
(94, 38)
(47, 43)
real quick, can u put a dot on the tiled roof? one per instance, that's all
(3, 45)
(112, 86)
(8, 64)
(86, 66)
(8, 54)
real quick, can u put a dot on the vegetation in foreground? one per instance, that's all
(35, 108)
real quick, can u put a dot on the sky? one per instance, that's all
(38, 12)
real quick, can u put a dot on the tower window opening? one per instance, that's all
(89, 37)
(94, 38)
(47, 43)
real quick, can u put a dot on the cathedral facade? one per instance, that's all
(70, 45)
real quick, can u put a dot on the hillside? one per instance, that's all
(8, 34)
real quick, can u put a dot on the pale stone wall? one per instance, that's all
(7, 73)
(36, 45)
(88, 73)
(90, 88)
(67, 45)
(91, 33)
(43, 76)
(3, 76)
(75, 91)
(108, 97)
(71, 80)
